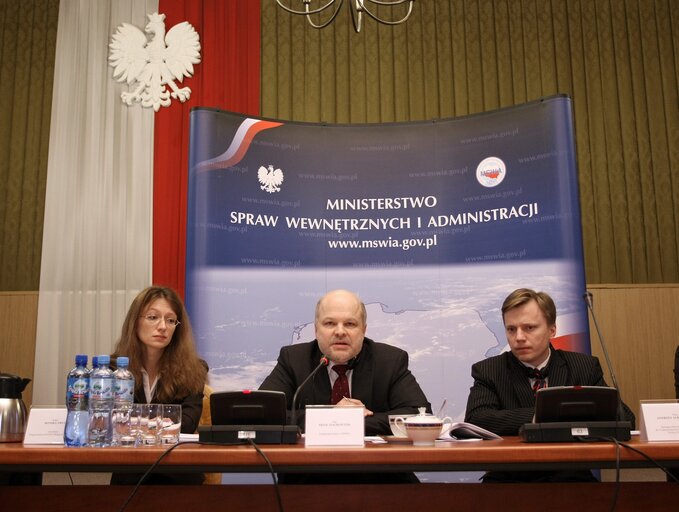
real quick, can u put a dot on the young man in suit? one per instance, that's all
(502, 397)
(377, 374)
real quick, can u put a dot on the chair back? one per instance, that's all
(206, 419)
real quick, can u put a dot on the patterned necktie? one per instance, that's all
(540, 377)
(341, 387)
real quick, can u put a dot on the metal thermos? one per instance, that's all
(13, 415)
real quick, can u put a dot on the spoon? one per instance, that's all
(445, 401)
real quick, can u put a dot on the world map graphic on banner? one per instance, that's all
(432, 223)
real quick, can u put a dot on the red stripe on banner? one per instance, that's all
(239, 145)
(228, 78)
(576, 342)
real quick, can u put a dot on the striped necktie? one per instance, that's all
(539, 378)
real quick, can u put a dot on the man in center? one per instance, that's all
(360, 370)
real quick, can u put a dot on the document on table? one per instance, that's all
(374, 440)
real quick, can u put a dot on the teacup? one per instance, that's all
(423, 429)
(398, 429)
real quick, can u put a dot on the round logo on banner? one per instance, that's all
(491, 171)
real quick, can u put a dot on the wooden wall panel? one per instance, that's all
(18, 316)
(640, 325)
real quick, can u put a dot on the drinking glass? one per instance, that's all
(123, 434)
(138, 421)
(153, 415)
(171, 424)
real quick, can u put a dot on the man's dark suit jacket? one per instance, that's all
(501, 399)
(380, 379)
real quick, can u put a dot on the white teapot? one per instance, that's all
(423, 429)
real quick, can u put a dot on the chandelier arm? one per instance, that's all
(389, 22)
(356, 8)
(306, 12)
(328, 21)
(387, 2)
(356, 15)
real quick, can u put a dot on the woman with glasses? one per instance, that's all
(158, 340)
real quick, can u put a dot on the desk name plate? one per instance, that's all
(327, 425)
(659, 420)
(45, 426)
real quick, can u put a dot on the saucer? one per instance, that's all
(397, 439)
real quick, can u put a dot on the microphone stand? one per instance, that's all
(588, 300)
(293, 409)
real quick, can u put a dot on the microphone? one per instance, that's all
(293, 412)
(589, 301)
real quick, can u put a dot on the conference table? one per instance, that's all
(506, 454)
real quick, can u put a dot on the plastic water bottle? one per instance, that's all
(124, 432)
(77, 391)
(124, 384)
(101, 403)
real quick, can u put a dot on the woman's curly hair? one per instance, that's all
(181, 371)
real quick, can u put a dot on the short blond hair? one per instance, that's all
(522, 296)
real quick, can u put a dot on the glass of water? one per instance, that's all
(152, 416)
(123, 433)
(171, 424)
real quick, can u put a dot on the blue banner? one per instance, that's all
(431, 223)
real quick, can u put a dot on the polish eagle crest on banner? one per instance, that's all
(154, 64)
(270, 179)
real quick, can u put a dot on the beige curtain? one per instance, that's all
(28, 31)
(617, 59)
(96, 252)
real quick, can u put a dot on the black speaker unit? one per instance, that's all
(257, 415)
(260, 434)
(567, 431)
(567, 413)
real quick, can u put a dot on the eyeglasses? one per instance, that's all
(154, 320)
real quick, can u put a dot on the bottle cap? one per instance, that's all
(103, 360)
(81, 360)
(122, 362)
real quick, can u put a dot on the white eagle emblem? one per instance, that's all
(153, 64)
(270, 179)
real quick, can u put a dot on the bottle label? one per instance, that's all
(76, 388)
(124, 391)
(100, 389)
